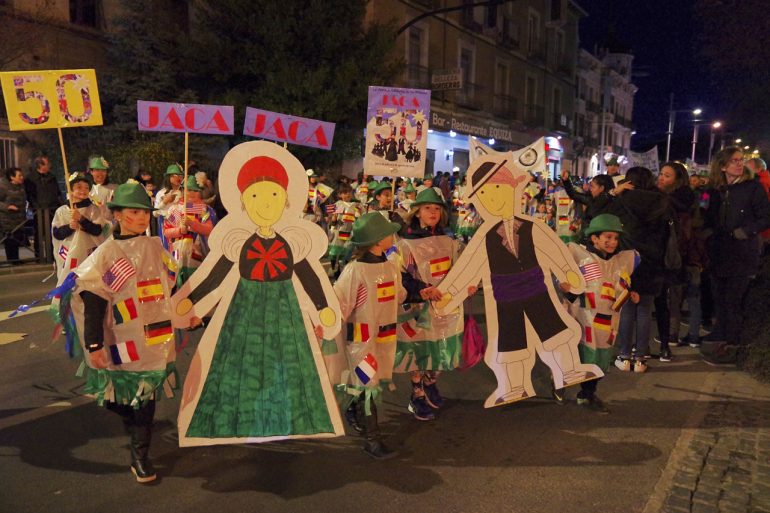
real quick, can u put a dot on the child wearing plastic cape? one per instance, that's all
(346, 211)
(427, 343)
(514, 256)
(168, 196)
(187, 230)
(410, 194)
(101, 189)
(607, 273)
(258, 372)
(312, 209)
(77, 231)
(369, 290)
(122, 320)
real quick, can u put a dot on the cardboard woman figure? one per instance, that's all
(514, 256)
(258, 374)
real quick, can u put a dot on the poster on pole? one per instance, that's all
(648, 159)
(285, 128)
(396, 131)
(36, 100)
(185, 117)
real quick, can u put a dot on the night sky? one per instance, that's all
(662, 37)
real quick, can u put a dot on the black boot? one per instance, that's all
(373, 445)
(354, 416)
(141, 434)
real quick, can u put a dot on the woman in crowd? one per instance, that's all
(596, 202)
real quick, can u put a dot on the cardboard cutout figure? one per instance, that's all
(514, 256)
(258, 374)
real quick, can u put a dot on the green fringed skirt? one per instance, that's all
(263, 379)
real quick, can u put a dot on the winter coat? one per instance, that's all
(743, 205)
(593, 206)
(42, 191)
(11, 194)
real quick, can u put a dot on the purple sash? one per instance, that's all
(508, 288)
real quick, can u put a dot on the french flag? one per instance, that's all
(366, 369)
(124, 352)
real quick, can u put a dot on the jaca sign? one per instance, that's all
(185, 117)
(289, 129)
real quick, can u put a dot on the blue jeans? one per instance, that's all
(639, 316)
(693, 301)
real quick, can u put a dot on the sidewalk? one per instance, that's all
(721, 462)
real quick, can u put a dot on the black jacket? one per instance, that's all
(743, 206)
(11, 194)
(42, 191)
(594, 206)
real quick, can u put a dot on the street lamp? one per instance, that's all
(671, 116)
(714, 126)
(695, 126)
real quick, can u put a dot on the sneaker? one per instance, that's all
(558, 395)
(418, 407)
(679, 342)
(432, 395)
(657, 340)
(640, 366)
(723, 354)
(623, 364)
(593, 403)
(664, 355)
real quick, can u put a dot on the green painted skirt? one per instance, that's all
(263, 379)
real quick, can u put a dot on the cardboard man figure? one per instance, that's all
(258, 374)
(514, 256)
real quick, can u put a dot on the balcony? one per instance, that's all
(417, 77)
(534, 115)
(593, 107)
(564, 65)
(467, 21)
(469, 96)
(559, 122)
(504, 106)
(508, 39)
(535, 51)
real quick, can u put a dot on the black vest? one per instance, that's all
(502, 261)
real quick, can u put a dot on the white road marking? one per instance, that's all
(34, 309)
(10, 338)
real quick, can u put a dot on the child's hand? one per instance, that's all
(75, 214)
(98, 359)
(430, 293)
(74, 224)
(183, 229)
(635, 297)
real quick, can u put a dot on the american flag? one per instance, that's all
(63, 252)
(591, 271)
(331, 209)
(361, 296)
(118, 274)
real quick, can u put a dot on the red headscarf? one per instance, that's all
(261, 169)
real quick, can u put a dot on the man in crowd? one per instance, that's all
(44, 197)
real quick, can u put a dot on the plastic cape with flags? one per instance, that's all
(597, 309)
(427, 341)
(138, 341)
(360, 359)
(188, 250)
(346, 213)
(74, 249)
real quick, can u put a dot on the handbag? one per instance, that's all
(473, 347)
(672, 260)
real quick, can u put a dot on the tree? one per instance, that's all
(732, 43)
(307, 58)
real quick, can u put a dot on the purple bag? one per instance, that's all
(473, 344)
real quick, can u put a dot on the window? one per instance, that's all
(533, 32)
(466, 64)
(501, 79)
(7, 153)
(417, 73)
(84, 12)
(530, 91)
(559, 45)
(491, 16)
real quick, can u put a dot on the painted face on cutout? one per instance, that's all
(498, 199)
(606, 241)
(80, 191)
(133, 221)
(429, 215)
(264, 202)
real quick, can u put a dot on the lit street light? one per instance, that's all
(671, 116)
(714, 126)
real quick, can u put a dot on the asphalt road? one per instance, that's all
(59, 452)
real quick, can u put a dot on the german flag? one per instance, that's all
(607, 291)
(344, 236)
(440, 266)
(358, 332)
(124, 311)
(602, 322)
(386, 334)
(563, 220)
(386, 292)
(408, 330)
(158, 333)
(149, 290)
(348, 217)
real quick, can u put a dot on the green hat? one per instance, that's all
(371, 228)
(428, 176)
(130, 195)
(311, 173)
(604, 223)
(409, 188)
(379, 187)
(80, 177)
(428, 196)
(174, 169)
(372, 184)
(192, 184)
(98, 163)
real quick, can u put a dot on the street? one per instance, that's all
(60, 452)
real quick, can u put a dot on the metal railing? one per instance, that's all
(504, 106)
(534, 115)
(417, 76)
(469, 96)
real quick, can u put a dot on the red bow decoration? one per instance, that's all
(269, 259)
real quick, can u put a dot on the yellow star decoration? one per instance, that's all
(419, 117)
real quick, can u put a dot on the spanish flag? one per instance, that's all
(602, 322)
(344, 236)
(608, 291)
(124, 311)
(158, 333)
(386, 291)
(358, 332)
(149, 290)
(439, 267)
(348, 217)
(386, 334)
(563, 202)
